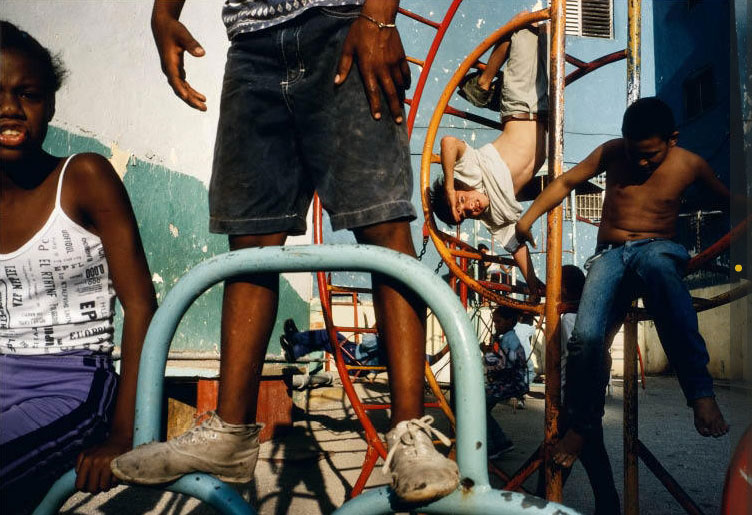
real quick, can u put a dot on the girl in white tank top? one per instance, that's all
(55, 290)
(59, 275)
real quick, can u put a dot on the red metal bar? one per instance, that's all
(434, 48)
(585, 68)
(419, 18)
(376, 447)
(717, 248)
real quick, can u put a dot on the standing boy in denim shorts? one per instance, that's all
(297, 116)
(646, 174)
(483, 183)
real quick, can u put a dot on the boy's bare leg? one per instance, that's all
(249, 309)
(400, 315)
(419, 473)
(494, 64)
(709, 420)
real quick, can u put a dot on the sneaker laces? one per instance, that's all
(210, 428)
(409, 434)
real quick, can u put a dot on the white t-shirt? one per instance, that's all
(483, 169)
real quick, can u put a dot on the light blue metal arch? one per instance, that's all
(474, 494)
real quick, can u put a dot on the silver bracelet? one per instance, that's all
(377, 22)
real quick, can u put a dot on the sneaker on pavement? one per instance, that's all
(227, 451)
(419, 472)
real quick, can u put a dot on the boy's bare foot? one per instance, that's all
(708, 418)
(568, 449)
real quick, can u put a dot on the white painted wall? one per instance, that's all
(116, 91)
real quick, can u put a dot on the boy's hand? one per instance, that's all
(93, 473)
(523, 234)
(382, 63)
(173, 40)
(451, 199)
(537, 290)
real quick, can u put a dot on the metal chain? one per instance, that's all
(423, 250)
(438, 267)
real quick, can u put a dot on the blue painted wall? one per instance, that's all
(689, 39)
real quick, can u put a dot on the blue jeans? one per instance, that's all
(368, 352)
(617, 274)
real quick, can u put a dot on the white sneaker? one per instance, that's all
(227, 451)
(419, 472)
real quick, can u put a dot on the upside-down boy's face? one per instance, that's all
(26, 106)
(470, 204)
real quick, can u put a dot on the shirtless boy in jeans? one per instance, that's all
(646, 173)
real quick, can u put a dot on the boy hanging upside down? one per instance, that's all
(483, 183)
(646, 174)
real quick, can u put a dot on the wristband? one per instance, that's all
(377, 22)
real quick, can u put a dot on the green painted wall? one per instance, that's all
(172, 213)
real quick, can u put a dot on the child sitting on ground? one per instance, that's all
(296, 344)
(506, 375)
(68, 245)
(483, 183)
(646, 175)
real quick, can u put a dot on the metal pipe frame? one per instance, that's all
(474, 495)
(631, 469)
(554, 226)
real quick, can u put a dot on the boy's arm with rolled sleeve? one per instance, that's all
(555, 192)
(452, 149)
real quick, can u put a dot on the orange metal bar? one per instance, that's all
(553, 251)
(631, 470)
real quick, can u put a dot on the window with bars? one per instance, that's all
(587, 205)
(699, 92)
(590, 18)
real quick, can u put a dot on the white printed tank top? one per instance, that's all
(55, 291)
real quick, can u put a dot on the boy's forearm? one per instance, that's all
(171, 8)
(448, 160)
(524, 262)
(551, 196)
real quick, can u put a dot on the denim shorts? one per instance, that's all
(285, 130)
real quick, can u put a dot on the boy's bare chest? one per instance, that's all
(661, 190)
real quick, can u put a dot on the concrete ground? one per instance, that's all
(311, 468)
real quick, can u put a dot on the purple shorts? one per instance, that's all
(51, 408)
